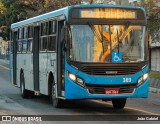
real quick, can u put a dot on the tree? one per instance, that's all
(2, 8)
(15, 11)
(43, 6)
(153, 13)
(57, 4)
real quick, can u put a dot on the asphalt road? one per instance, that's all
(11, 103)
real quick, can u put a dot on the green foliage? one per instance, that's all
(12, 11)
(153, 13)
(154, 74)
(2, 8)
(50, 5)
(15, 11)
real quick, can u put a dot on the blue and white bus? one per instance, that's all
(90, 51)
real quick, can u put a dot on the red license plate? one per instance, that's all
(112, 91)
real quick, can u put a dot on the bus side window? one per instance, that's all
(52, 27)
(44, 28)
(25, 32)
(25, 39)
(43, 44)
(52, 37)
(30, 31)
(20, 36)
(52, 43)
(44, 36)
(30, 38)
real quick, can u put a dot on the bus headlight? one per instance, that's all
(142, 79)
(145, 76)
(76, 79)
(72, 77)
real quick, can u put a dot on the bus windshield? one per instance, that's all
(107, 43)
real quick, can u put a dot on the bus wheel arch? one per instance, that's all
(50, 81)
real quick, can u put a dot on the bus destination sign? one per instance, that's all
(110, 13)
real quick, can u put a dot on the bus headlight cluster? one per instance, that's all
(76, 79)
(142, 79)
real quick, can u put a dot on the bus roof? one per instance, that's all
(64, 11)
(41, 17)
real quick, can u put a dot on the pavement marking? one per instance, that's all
(4, 67)
(140, 110)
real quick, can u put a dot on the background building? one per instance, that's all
(3, 49)
(155, 53)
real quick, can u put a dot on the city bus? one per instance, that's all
(87, 51)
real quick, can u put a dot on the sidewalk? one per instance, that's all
(154, 85)
(4, 61)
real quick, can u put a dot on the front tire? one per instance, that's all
(57, 103)
(119, 103)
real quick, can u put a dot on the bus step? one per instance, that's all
(36, 93)
(61, 98)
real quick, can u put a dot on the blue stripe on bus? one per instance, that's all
(74, 91)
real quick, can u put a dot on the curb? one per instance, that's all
(154, 85)
(154, 90)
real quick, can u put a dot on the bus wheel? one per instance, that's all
(119, 103)
(23, 91)
(57, 103)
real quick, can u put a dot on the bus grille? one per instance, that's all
(101, 89)
(110, 70)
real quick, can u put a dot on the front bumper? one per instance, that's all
(75, 91)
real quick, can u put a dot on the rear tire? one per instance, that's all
(24, 93)
(119, 103)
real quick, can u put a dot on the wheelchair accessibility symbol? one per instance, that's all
(116, 57)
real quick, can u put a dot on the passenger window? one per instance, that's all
(30, 30)
(25, 32)
(19, 46)
(20, 36)
(52, 43)
(52, 27)
(43, 46)
(44, 28)
(29, 45)
(24, 45)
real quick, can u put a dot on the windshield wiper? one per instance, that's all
(95, 32)
(99, 38)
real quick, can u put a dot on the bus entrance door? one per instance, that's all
(60, 60)
(14, 60)
(36, 38)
